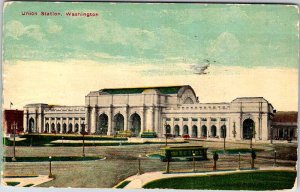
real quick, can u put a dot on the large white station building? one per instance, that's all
(173, 109)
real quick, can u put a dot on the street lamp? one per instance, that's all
(83, 154)
(14, 142)
(194, 165)
(50, 173)
(139, 162)
(239, 160)
(275, 153)
(166, 133)
(224, 136)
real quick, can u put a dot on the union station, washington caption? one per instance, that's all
(172, 109)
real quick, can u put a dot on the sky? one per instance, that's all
(59, 59)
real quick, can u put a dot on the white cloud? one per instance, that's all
(53, 27)
(16, 29)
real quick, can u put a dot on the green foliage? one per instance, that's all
(65, 158)
(12, 183)
(123, 184)
(215, 156)
(149, 134)
(258, 180)
(42, 139)
(28, 185)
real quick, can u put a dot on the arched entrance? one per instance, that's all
(177, 130)
(103, 125)
(47, 128)
(168, 129)
(213, 131)
(58, 128)
(70, 129)
(82, 130)
(223, 131)
(119, 122)
(135, 124)
(52, 128)
(194, 131)
(31, 125)
(185, 130)
(64, 128)
(204, 131)
(76, 128)
(248, 129)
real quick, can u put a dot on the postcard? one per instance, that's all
(150, 95)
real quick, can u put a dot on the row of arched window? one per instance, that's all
(64, 128)
(194, 133)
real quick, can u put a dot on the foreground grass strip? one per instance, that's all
(259, 180)
(123, 184)
(12, 183)
(66, 158)
(28, 185)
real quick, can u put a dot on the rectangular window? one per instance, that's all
(194, 119)
(203, 119)
(168, 119)
(213, 119)
(185, 119)
(176, 119)
(223, 119)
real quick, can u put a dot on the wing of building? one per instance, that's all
(171, 109)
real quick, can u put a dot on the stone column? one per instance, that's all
(157, 115)
(87, 119)
(152, 117)
(190, 124)
(110, 121)
(35, 130)
(25, 121)
(94, 119)
(143, 128)
(172, 126)
(126, 119)
(55, 123)
(208, 126)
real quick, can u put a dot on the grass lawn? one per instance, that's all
(237, 151)
(122, 185)
(259, 180)
(12, 183)
(65, 158)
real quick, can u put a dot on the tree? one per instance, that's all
(215, 157)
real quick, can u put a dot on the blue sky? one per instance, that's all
(239, 35)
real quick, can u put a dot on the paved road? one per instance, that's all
(121, 163)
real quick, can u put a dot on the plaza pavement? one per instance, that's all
(27, 180)
(138, 181)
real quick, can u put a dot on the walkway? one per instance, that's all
(33, 181)
(138, 181)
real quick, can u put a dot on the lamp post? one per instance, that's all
(239, 160)
(14, 142)
(224, 137)
(83, 154)
(275, 154)
(139, 164)
(50, 173)
(166, 133)
(271, 135)
(194, 165)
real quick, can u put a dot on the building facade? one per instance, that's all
(13, 118)
(173, 109)
(284, 125)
